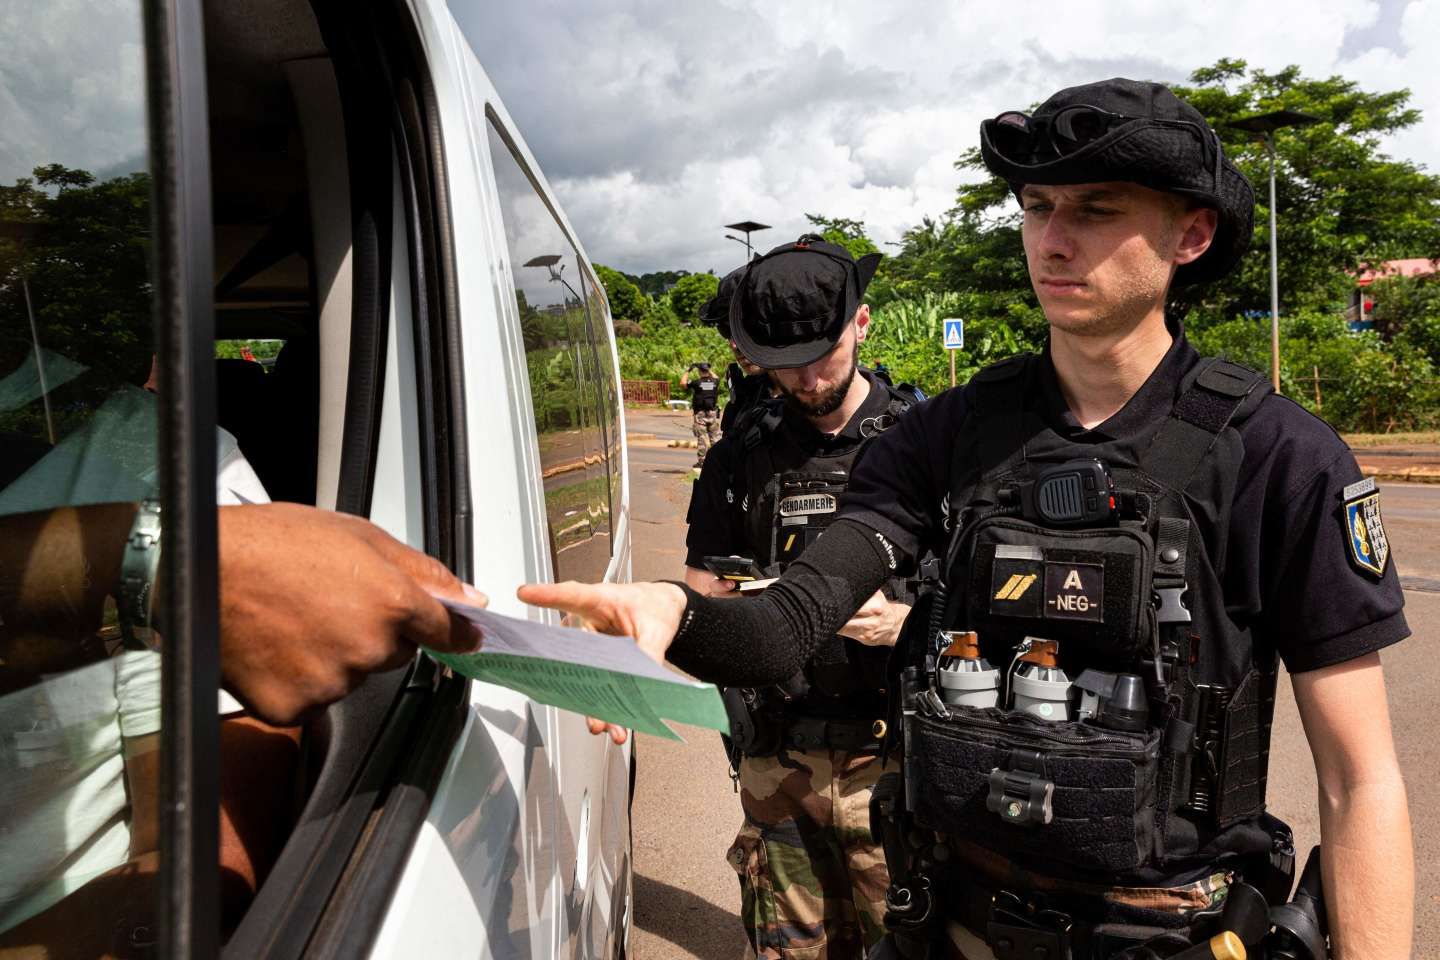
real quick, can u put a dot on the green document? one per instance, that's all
(600, 676)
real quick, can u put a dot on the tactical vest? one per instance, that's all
(1109, 565)
(706, 392)
(783, 497)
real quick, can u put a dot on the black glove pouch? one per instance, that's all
(1088, 589)
(1101, 787)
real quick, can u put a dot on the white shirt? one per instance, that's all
(64, 808)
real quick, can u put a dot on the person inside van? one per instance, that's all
(80, 700)
(311, 602)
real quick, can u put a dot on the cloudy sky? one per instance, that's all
(657, 122)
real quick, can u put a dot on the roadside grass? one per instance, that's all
(1358, 441)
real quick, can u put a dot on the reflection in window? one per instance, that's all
(564, 363)
(609, 404)
(79, 707)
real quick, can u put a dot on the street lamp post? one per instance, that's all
(548, 261)
(1266, 124)
(746, 227)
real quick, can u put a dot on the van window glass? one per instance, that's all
(609, 403)
(562, 363)
(79, 698)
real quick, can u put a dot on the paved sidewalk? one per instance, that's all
(655, 427)
(1417, 463)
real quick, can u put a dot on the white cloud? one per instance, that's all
(1412, 67)
(72, 86)
(659, 122)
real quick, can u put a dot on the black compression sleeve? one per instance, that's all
(758, 641)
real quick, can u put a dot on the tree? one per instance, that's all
(666, 348)
(656, 285)
(690, 294)
(844, 232)
(626, 300)
(1343, 203)
(74, 253)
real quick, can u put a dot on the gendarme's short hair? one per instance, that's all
(1135, 132)
(792, 305)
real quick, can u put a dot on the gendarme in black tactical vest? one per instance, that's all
(803, 751)
(1087, 714)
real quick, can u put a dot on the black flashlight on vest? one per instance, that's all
(1076, 493)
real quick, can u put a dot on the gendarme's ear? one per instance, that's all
(866, 267)
(861, 320)
(1199, 233)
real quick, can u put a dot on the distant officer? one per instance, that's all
(1134, 535)
(804, 751)
(705, 405)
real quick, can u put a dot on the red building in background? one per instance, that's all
(1359, 312)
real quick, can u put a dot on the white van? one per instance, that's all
(357, 271)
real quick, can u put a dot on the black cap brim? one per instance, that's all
(806, 352)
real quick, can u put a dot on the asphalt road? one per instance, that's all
(686, 813)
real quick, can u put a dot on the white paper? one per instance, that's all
(528, 638)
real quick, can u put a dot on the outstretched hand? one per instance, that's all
(312, 602)
(648, 612)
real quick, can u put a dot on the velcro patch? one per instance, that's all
(808, 504)
(1015, 590)
(1369, 546)
(1074, 591)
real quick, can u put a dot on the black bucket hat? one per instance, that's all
(1131, 131)
(716, 312)
(791, 305)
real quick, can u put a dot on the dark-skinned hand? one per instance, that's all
(312, 602)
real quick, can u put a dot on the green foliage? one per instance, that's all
(1341, 202)
(1407, 310)
(666, 348)
(626, 300)
(656, 285)
(259, 349)
(1364, 384)
(690, 293)
(75, 256)
(905, 335)
(844, 232)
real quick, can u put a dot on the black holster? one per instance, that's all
(754, 729)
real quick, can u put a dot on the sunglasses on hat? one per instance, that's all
(1026, 140)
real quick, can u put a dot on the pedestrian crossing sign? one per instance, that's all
(954, 333)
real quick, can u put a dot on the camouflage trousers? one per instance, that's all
(707, 430)
(812, 880)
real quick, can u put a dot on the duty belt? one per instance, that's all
(1046, 927)
(816, 733)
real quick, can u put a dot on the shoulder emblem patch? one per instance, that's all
(1369, 546)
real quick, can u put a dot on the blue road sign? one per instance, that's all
(954, 333)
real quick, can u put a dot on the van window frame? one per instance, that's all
(340, 865)
(183, 273)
